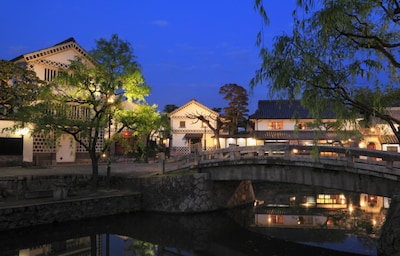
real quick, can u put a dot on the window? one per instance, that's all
(182, 124)
(49, 74)
(275, 125)
(392, 148)
(303, 125)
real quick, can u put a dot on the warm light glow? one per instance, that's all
(295, 151)
(22, 131)
(110, 100)
(269, 219)
(350, 208)
(361, 145)
(252, 142)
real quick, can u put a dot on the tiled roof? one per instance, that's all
(388, 139)
(284, 109)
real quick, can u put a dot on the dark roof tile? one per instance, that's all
(284, 109)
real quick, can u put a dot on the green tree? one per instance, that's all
(338, 52)
(82, 99)
(145, 122)
(18, 87)
(236, 113)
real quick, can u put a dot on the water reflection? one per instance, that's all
(328, 218)
(304, 220)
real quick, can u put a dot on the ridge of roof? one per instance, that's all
(191, 102)
(69, 43)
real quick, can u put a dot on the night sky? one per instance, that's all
(187, 49)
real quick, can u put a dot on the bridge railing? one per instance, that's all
(352, 155)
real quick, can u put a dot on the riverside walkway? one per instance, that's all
(129, 169)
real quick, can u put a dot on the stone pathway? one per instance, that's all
(126, 169)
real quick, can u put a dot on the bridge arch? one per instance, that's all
(353, 169)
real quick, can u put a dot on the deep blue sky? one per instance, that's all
(187, 49)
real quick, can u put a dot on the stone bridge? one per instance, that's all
(344, 168)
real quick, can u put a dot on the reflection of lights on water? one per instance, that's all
(351, 209)
(342, 199)
(373, 222)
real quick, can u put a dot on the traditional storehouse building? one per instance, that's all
(188, 133)
(34, 148)
(46, 63)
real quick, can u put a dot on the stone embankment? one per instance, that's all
(43, 200)
(389, 242)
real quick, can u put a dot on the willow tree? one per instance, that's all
(83, 98)
(342, 55)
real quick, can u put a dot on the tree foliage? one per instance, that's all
(83, 98)
(342, 55)
(235, 114)
(18, 87)
(145, 122)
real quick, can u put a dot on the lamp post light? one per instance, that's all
(22, 132)
(110, 101)
(205, 135)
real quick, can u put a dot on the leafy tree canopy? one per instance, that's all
(18, 87)
(341, 55)
(83, 98)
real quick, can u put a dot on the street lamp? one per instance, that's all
(22, 132)
(110, 101)
(205, 134)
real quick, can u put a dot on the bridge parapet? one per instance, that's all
(388, 160)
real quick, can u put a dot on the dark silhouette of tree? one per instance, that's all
(236, 113)
(215, 123)
(169, 108)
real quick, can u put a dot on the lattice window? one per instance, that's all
(42, 144)
(178, 151)
(99, 144)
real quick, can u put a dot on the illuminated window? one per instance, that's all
(182, 124)
(303, 125)
(331, 199)
(276, 219)
(275, 125)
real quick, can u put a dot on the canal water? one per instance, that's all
(285, 220)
